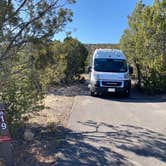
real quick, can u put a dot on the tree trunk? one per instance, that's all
(138, 76)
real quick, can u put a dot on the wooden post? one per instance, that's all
(5, 140)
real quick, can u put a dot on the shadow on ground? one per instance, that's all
(79, 89)
(141, 141)
(134, 98)
(61, 146)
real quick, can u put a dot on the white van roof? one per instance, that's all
(109, 53)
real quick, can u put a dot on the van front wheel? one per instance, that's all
(127, 93)
(92, 93)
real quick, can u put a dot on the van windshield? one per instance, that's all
(110, 65)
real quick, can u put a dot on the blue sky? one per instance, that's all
(100, 21)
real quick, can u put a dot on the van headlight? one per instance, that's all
(96, 77)
(126, 76)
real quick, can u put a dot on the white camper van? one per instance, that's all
(109, 72)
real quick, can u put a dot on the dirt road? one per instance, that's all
(116, 131)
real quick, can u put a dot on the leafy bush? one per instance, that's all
(75, 55)
(20, 91)
(144, 44)
(22, 80)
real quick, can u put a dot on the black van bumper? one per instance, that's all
(96, 88)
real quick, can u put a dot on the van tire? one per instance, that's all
(93, 94)
(127, 93)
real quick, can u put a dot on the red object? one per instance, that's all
(5, 138)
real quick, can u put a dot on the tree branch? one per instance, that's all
(25, 25)
(16, 12)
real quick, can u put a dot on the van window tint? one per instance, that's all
(110, 65)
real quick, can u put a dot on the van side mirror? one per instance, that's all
(89, 69)
(130, 70)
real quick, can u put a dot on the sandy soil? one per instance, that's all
(45, 131)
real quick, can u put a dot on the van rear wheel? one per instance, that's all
(92, 93)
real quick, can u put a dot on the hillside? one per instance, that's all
(92, 47)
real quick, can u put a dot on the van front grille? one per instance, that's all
(111, 83)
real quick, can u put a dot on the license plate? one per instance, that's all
(111, 89)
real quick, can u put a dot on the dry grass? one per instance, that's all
(45, 133)
(58, 104)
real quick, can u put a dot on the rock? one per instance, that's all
(28, 135)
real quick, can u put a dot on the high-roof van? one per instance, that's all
(109, 72)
